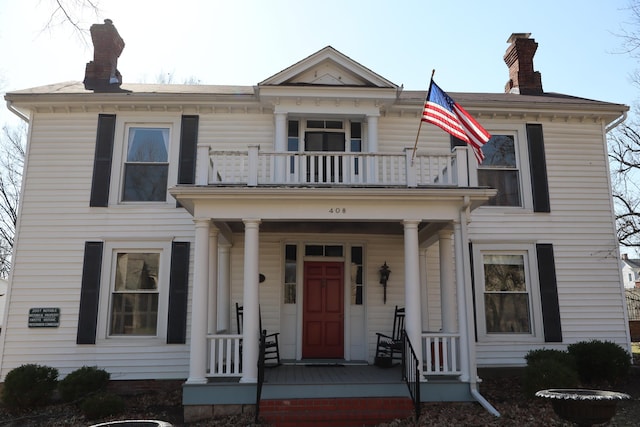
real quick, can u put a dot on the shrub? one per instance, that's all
(102, 405)
(600, 361)
(549, 369)
(82, 382)
(29, 385)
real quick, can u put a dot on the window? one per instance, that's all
(356, 275)
(290, 273)
(146, 165)
(500, 170)
(356, 143)
(507, 293)
(134, 298)
(506, 299)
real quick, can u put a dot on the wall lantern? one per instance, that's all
(384, 278)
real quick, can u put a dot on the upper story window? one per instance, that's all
(500, 170)
(146, 165)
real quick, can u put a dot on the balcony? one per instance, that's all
(263, 168)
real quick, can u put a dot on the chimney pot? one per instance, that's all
(519, 58)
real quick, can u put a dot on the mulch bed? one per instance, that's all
(504, 393)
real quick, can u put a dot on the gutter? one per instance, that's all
(13, 109)
(616, 123)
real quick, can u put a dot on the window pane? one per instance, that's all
(148, 145)
(292, 144)
(293, 128)
(504, 273)
(335, 141)
(507, 182)
(333, 250)
(499, 151)
(134, 314)
(290, 274)
(315, 124)
(356, 130)
(333, 124)
(145, 182)
(507, 313)
(137, 271)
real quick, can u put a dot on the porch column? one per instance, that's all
(447, 294)
(224, 287)
(372, 139)
(413, 323)
(198, 346)
(250, 324)
(280, 145)
(460, 242)
(424, 293)
(213, 280)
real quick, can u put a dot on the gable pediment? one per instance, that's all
(328, 67)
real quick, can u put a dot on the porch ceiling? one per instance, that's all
(325, 227)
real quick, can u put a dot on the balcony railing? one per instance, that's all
(255, 167)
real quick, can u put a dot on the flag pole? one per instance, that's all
(415, 146)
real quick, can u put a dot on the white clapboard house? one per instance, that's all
(149, 211)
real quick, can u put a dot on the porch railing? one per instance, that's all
(441, 353)
(255, 167)
(411, 372)
(225, 359)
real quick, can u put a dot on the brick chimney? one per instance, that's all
(101, 74)
(519, 59)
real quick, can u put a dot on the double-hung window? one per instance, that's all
(134, 298)
(500, 170)
(146, 166)
(507, 293)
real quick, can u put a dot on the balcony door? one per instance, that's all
(324, 168)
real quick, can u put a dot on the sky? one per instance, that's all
(243, 42)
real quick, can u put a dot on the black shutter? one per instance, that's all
(549, 293)
(538, 166)
(178, 292)
(188, 149)
(473, 292)
(102, 160)
(89, 293)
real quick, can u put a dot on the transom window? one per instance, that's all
(500, 170)
(134, 297)
(146, 165)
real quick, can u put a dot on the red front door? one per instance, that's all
(323, 317)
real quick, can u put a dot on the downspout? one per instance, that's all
(13, 109)
(464, 251)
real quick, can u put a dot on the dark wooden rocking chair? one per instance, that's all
(389, 348)
(272, 349)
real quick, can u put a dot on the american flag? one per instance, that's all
(444, 112)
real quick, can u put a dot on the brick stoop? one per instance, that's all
(344, 412)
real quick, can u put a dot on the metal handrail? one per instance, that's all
(263, 337)
(411, 372)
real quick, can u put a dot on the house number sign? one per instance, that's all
(338, 210)
(46, 317)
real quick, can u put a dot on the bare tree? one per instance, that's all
(12, 152)
(72, 13)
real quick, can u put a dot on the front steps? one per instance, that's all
(344, 412)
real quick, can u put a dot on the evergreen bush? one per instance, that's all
(600, 361)
(549, 369)
(28, 386)
(102, 405)
(82, 382)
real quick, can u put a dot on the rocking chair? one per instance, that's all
(271, 347)
(389, 348)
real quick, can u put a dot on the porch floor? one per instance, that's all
(308, 380)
